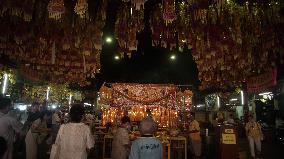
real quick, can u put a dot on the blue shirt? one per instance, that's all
(146, 148)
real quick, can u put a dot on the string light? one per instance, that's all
(165, 117)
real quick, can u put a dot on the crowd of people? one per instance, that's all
(73, 139)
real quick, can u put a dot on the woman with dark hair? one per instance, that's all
(37, 134)
(74, 139)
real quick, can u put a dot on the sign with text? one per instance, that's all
(262, 81)
(229, 131)
(229, 139)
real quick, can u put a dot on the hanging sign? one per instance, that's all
(263, 81)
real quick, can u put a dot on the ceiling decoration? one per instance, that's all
(169, 14)
(56, 9)
(56, 47)
(81, 8)
(129, 22)
(230, 40)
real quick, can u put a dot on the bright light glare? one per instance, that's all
(200, 105)
(131, 10)
(87, 104)
(47, 93)
(173, 57)
(5, 83)
(53, 106)
(22, 107)
(242, 97)
(234, 99)
(218, 101)
(116, 57)
(108, 39)
(265, 93)
(70, 99)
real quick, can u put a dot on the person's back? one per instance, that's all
(74, 140)
(121, 142)
(146, 148)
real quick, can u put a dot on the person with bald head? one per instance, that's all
(147, 146)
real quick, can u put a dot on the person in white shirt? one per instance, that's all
(56, 121)
(36, 135)
(74, 139)
(9, 126)
(121, 142)
(231, 120)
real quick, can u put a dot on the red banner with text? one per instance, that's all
(262, 81)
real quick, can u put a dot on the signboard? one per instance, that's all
(229, 131)
(262, 81)
(227, 143)
(229, 138)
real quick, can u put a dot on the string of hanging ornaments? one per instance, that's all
(81, 8)
(56, 9)
(169, 14)
(229, 40)
(132, 22)
(50, 52)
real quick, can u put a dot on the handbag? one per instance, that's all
(54, 153)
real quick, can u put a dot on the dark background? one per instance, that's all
(147, 65)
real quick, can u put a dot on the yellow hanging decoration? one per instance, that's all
(81, 7)
(56, 9)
